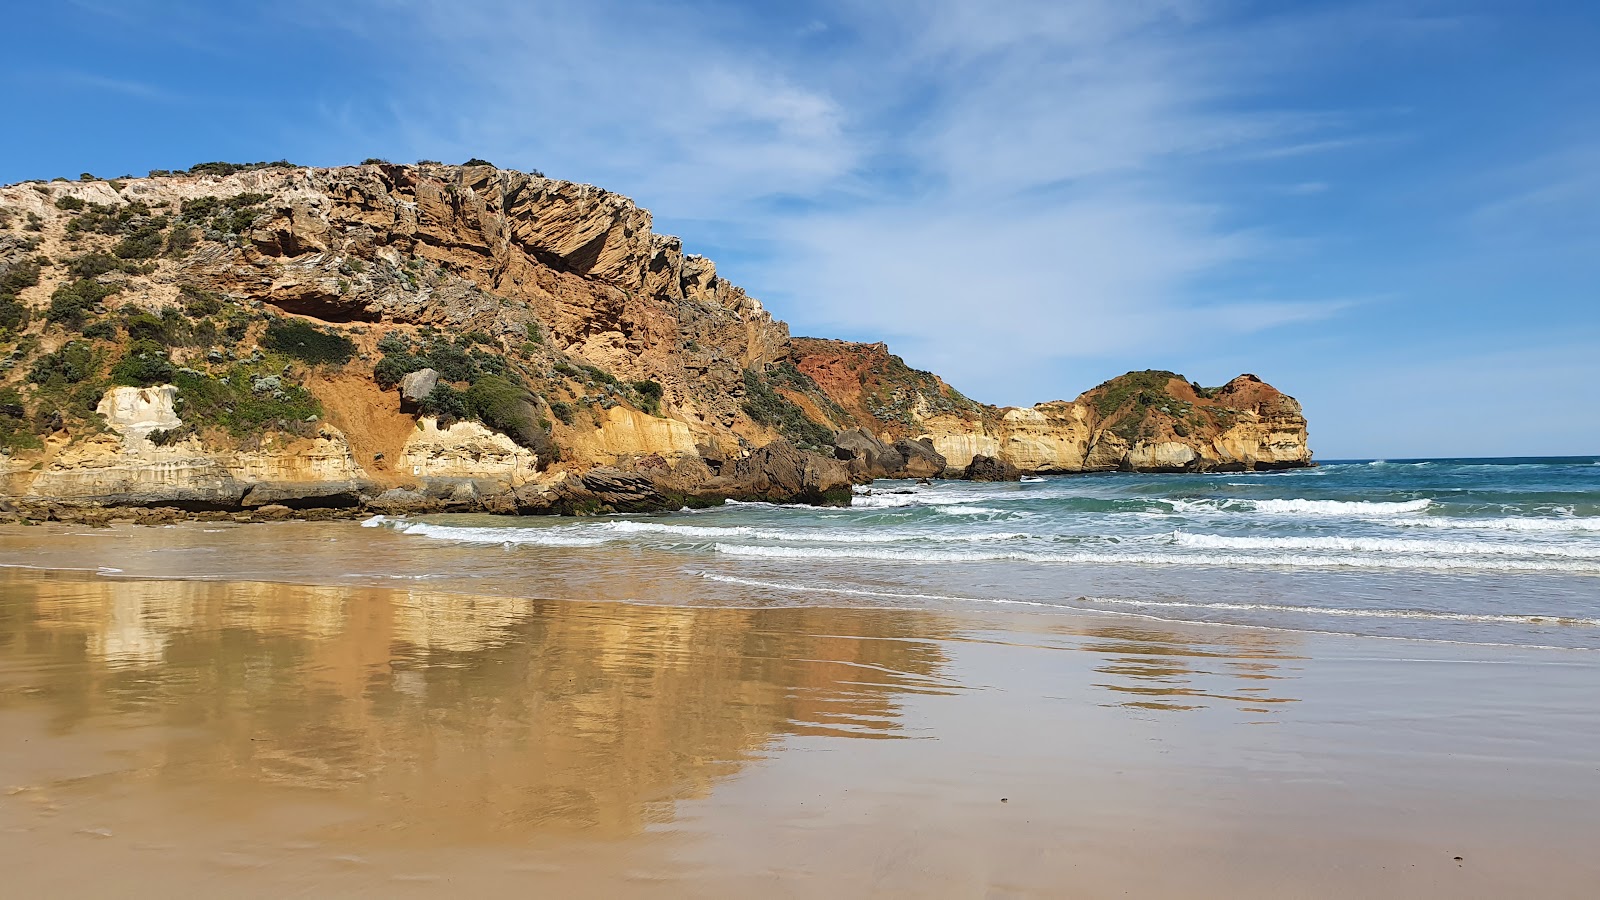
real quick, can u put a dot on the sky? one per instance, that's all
(1390, 210)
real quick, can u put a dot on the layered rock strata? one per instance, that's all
(511, 343)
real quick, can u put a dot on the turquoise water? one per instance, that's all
(1467, 550)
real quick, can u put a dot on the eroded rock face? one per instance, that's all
(781, 473)
(586, 308)
(465, 452)
(127, 468)
(1142, 421)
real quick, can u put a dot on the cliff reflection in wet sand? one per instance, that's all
(463, 716)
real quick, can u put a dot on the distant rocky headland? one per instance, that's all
(267, 340)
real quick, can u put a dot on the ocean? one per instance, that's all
(1469, 551)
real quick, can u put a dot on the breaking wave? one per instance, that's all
(1235, 560)
(1386, 545)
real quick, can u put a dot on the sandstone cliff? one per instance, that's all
(234, 337)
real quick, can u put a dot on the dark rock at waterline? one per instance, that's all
(987, 468)
(782, 473)
(866, 456)
(922, 461)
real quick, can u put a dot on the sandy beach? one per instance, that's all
(258, 739)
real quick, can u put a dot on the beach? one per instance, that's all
(214, 735)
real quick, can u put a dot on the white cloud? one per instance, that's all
(995, 191)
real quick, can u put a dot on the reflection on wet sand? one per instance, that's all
(244, 739)
(1179, 669)
(492, 714)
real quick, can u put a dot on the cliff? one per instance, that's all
(1150, 421)
(432, 336)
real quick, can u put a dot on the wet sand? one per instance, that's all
(255, 739)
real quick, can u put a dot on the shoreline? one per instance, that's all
(1252, 764)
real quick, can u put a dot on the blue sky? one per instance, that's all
(1391, 210)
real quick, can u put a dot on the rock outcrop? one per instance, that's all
(987, 468)
(292, 337)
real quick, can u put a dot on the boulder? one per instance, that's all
(783, 473)
(922, 461)
(415, 387)
(987, 468)
(626, 491)
(866, 456)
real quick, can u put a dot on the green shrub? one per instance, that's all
(16, 432)
(767, 407)
(71, 204)
(446, 403)
(478, 162)
(143, 325)
(505, 407)
(182, 239)
(143, 242)
(18, 276)
(197, 302)
(649, 396)
(91, 264)
(395, 366)
(144, 365)
(73, 363)
(306, 342)
(161, 437)
(393, 342)
(233, 403)
(71, 304)
(112, 219)
(228, 168)
(102, 330)
(13, 315)
(563, 410)
(1144, 388)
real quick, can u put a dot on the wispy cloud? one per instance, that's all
(89, 81)
(1033, 176)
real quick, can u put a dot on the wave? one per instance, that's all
(542, 537)
(1385, 545)
(1504, 523)
(1296, 506)
(829, 536)
(1503, 618)
(912, 498)
(1110, 601)
(1228, 560)
(863, 592)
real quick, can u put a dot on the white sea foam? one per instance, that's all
(915, 498)
(543, 537)
(1236, 560)
(1297, 507)
(864, 592)
(1387, 545)
(1514, 619)
(1531, 524)
(825, 536)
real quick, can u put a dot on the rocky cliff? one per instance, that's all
(433, 336)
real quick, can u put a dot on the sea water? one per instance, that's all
(1484, 551)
